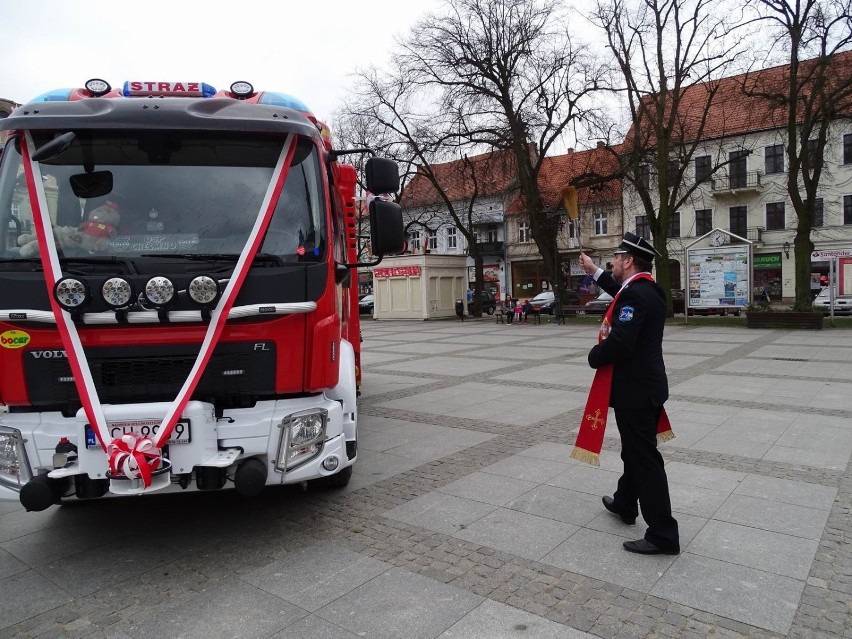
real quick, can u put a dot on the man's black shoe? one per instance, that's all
(645, 547)
(609, 504)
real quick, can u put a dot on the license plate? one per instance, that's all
(144, 427)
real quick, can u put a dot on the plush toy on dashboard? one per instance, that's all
(66, 237)
(100, 227)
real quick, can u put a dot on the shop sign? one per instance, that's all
(396, 271)
(827, 255)
(766, 261)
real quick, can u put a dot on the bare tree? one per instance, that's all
(669, 56)
(814, 36)
(413, 128)
(510, 75)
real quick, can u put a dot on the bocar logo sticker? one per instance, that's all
(14, 339)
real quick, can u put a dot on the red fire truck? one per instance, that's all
(177, 304)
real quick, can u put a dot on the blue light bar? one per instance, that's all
(57, 95)
(283, 100)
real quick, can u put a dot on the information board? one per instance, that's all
(719, 277)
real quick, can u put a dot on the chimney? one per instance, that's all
(601, 144)
(570, 151)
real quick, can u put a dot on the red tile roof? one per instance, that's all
(739, 108)
(494, 172)
(577, 167)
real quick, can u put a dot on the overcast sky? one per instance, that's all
(307, 49)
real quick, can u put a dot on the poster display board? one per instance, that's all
(719, 277)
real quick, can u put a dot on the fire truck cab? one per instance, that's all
(175, 280)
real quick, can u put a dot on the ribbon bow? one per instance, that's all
(133, 456)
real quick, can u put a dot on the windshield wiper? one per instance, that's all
(267, 258)
(63, 261)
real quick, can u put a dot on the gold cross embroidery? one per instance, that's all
(596, 419)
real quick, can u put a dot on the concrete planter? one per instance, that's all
(792, 319)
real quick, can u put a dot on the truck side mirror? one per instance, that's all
(382, 176)
(386, 228)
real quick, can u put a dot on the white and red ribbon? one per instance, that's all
(116, 449)
(133, 456)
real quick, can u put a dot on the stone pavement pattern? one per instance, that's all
(466, 517)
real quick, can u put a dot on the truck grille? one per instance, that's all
(126, 375)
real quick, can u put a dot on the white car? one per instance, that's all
(842, 305)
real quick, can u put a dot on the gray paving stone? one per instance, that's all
(797, 493)
(761, 549)
(9, 565)
(518, 533)
(493, 620)
(314, 627)
(400, 604)
(775, 516)
(26, 594)
(752, 596)
(527, 469)
(92, 569)
(439, 512)
(602, 556)
(488, 487)
(315, 576)
(235, 609)
(558, 503)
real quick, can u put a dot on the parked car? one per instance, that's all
(598, 305)
(842, 305)
(489, 304)
(546, 301)
(678, 301)
(365, 304)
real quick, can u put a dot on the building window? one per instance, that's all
(819, 219)
(739, 220)
(847, 148)
(645, 176)
(524, 235)
(703, 221)
(452, 238)
(414, 241)
(737, 169)
(702, 168)
(814, 154)
(642, 228)
(432, 239)
(773, 158)
(487, 233)
(600, 223)
(672, 172)
(847, 209)
(674, 225)
(774, 216)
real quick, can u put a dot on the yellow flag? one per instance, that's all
(569, 201)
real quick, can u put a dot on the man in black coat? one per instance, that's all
(634, 347)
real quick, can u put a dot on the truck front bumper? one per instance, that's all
(295, 440)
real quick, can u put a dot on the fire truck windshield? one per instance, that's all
(172, 193)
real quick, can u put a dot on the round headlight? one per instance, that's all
(98, 87)
(203, 290)
(242, 89)
(160, 291)
(71, 293)
(117, 292)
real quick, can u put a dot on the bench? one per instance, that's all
(570, 309)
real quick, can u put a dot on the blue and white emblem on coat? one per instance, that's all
(626, 314)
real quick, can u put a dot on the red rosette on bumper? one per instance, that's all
(131, 456)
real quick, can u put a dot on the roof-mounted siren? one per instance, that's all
(242, 90)
(97, 87)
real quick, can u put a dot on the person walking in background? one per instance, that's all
(631, 378)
